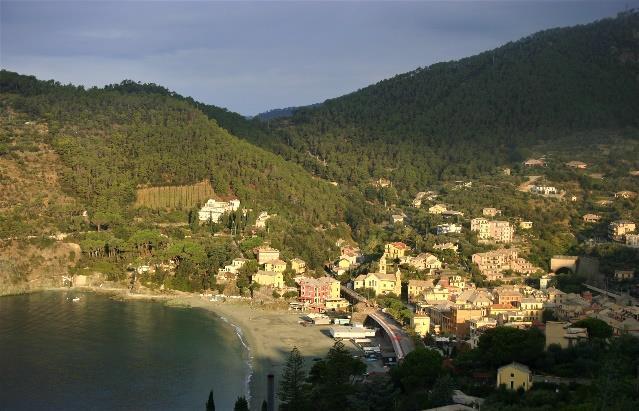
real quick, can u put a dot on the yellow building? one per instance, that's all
(532, 309)
(514, 376)
(395, 250)
(298, 265)
(421, 324)
(381, 283)
(437, 209)
(417, 287)
(269, 279)
(266, 253)
(278, 266)
(336, 304)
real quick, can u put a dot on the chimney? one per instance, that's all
(270, 393)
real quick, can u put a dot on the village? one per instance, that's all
(434, 303)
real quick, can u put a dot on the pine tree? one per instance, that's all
(241, 404)
(210, 403)
(291, 392)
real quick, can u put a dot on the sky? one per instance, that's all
(254, 56)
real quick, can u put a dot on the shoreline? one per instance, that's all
(266, 332)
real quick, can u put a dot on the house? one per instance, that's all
(632, 240)
(623, 275)
(298, 266)
(500, 231)
(266, 254)
(477, 327)
(461, 315)
(437, 209)
(395, 250)
(591, 218)
(397, 219)
(474, 297)
(336, 304)
(446, 246)
(625, 194)
(543, 190)
(507, 295)
(622, 319)
(352, 254)
(452, 280)
(417, 287)
(269, 279)
(525, 225)
(617, 230)
(417, 202)
(531, 309)
(577, 164)
(514, 376)
(544, 281)
(277, 265)
(262, 218)
(235, 265)
(490, 212)
(493, 263)
(573, 307)
(342, 265)
(634, 173)
(555, 295)
(452, 213)
(380, 282)
(318, 290)
(382, 183)
(425, 261)
(532, 162)
(437, 293)
(213, 210)
(604, 203)
(563, 334)
(448, 229)
(421, 324)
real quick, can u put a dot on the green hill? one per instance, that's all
(462, 118)
(112, 141)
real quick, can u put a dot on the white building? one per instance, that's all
(262, 218)
(544, 190)
(213, 209)
(448, 229)
(500, 231)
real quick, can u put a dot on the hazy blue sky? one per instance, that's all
(255, 56)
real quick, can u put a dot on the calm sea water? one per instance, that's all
(97, 353)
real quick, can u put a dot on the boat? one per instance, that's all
(76, 299)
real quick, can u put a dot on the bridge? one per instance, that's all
(612, 295)
(402, 342)
(353, 295)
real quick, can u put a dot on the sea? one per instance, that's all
(102, 354)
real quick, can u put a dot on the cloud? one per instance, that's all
(251, 57)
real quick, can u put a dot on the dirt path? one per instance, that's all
(525, 186)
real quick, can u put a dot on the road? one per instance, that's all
(402, 342)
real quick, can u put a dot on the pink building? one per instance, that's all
(317, 291)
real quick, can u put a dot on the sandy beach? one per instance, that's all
(271, 335)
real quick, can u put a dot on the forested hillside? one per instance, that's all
(112, 141)
(462, 118)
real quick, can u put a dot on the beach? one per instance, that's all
(270, 335)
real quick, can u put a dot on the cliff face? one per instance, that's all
(29, 265)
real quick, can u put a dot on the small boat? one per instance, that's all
(76, 299)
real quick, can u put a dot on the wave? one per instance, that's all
(249, 361)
